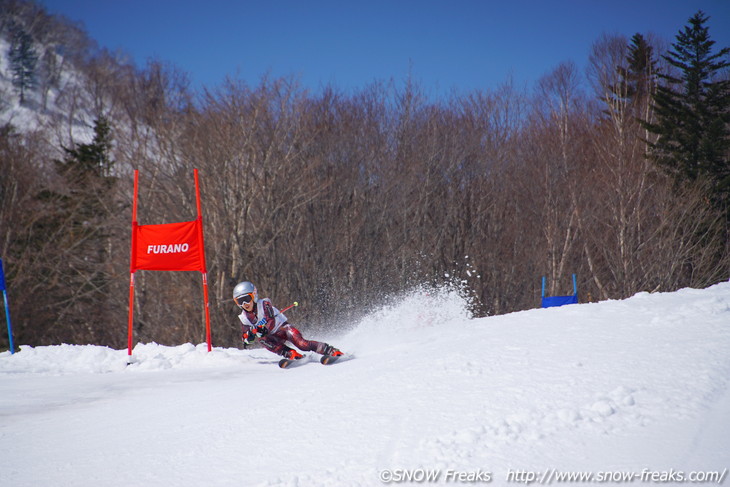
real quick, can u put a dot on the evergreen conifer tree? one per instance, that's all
(23, 60)
(87, 171)
(90, 161)
(79, 216)
(692, 113)
(641, 71)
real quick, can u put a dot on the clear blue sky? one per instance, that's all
(460, 44)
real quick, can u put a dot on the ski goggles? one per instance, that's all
(241, 300)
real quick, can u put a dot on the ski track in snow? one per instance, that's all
(618, 385)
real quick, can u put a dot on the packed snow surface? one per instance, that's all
(618, 387)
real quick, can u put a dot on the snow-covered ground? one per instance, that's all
(638, 386)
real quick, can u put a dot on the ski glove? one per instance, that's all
(248, 338)
(261, 331)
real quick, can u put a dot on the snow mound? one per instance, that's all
(90, 359)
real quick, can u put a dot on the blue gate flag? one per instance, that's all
(7, 307)
(550, 301)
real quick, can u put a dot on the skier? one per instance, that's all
(259, 318)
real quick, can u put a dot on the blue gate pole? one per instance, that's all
(543, 286)
(7, 308)
(575, 286)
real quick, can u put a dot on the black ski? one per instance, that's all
(331, 359)
(286, 363)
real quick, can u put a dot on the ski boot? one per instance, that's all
(293, 355)
(331, 351)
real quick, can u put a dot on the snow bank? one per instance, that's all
(90, 359)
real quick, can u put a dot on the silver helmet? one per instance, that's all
(242, 291)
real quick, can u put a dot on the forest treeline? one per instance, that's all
(343, 201)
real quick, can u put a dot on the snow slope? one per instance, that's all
(61, 122)
(632, 386)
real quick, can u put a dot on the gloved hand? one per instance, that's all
(248, 338)
(261, 331)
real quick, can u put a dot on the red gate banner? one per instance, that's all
(168, 247)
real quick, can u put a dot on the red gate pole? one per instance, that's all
(207, 311)
(132, 265)
(203, 266)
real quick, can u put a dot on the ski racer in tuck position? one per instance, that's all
(259, 318)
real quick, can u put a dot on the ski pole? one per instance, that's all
(289, 307)
(263, 320)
